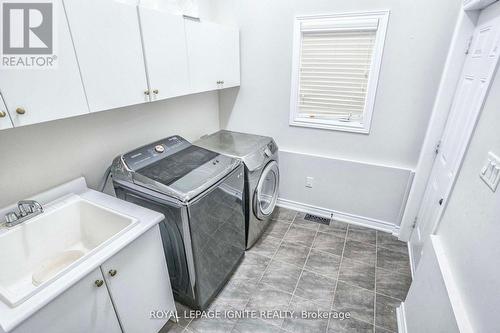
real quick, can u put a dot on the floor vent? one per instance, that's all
(317, 219)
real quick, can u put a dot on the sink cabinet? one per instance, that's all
(82, 308)
(138, 282)
(117, 296)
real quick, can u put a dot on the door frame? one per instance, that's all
(464, 29)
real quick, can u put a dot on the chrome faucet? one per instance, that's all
(26, 210)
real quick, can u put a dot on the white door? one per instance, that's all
(46, 94)
(83, 308)
(138, 281)
(164, 42)
(109, 50)
(213, 55)
(474, 82)
(5, 121)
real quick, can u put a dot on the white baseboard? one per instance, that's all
(340, 216)
(401, 317)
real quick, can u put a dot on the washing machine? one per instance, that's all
(260, 157)
(200, 192)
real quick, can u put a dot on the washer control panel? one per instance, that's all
(153, 152)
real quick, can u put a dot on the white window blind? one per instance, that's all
(334, 69)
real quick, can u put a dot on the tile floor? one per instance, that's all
(305, 266)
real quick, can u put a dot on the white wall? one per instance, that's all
(427, 307)
(470, 228)
(37, 157)
(373, 195)
(418, 39)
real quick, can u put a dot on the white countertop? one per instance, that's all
(10, 317)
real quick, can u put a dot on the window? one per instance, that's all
(336, 64)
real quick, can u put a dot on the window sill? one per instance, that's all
(331, 125)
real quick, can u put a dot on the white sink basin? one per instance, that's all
(35, 253)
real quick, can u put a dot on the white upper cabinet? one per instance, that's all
(228, 62)
(5, 121)
(114, 53)
(108, 46)
(38, 95)
(165, 51)
(213, 55)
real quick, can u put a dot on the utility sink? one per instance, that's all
(37, 252)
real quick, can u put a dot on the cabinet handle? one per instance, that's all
(156, 91)
(2, 114)
(222, 82)
(112, 272)
(20, 111)
(219, 82)
(99, 283)
(146, 92)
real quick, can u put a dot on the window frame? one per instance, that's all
(373, 79)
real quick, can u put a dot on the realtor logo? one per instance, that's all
(27, 34)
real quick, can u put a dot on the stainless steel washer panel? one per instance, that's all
(256, 152)
(203, 239)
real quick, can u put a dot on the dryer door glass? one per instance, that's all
(266, 193)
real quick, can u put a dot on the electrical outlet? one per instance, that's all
(490, 173)
(309, 182)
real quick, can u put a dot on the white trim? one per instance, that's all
(381, 165)
(356, 127)
(336, 125)
(339, 216)
(455, 60)
(401, 318)
(461, 313)
(406, 196)
(412, 260)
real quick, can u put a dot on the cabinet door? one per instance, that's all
(82, 308)
(213, 55)
(229, 56)
(5, 121)
(108, 47)
(165, 50)
(48, 93)
(138, 281)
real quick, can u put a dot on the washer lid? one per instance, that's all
(176, 168)
(250, 148)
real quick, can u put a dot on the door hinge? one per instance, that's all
(438, 147)
(414, 225)
(468, 45)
